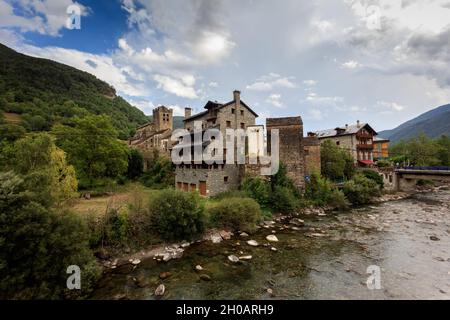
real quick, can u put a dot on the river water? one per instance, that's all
(409, 240)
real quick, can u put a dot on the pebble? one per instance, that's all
(233, 258)
(160, 290)
(199, 268)
(245, 258)
(252, 243)
(272, 238)
(165, 275)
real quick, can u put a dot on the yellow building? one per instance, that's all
(380, 148)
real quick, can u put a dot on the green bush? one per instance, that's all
(236, 214)
(375, 176)
(284, 200)
(37, 245)
(338, 200)
(258, 189)
(361, 190)
(177, 215)
(114, 228)
(383, 163)
(160, 173)
(230, 194)
(424, 182)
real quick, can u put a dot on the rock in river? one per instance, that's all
(252, 243)
(159, 292)
(245, 258)
(205, 277)
(233, 258)
(165, 275)
(198, 268)
(272, 238)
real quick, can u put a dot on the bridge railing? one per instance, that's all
(437, 168)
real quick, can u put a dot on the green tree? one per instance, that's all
(332, 162)
(443, 152)
(93, 148)
(42, 163)
(37, 245)
(360, 190)
(258, 189)
(135, 164)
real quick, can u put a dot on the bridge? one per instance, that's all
(405, 179)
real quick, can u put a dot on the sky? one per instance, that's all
(331, 61)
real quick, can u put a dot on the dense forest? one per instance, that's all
(43, 93)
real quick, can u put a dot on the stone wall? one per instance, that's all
(311, 147)
(218, 178)
(291, 146)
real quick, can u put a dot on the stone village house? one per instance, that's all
(358, 139)
(300, 155)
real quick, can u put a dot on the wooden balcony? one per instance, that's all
(364, 146)
(361, 135)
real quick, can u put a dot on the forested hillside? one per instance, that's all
(38, 93)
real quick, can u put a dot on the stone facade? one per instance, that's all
(290, 146)
(300, 158)
(356, 139)
(155, 135)
(311, 147)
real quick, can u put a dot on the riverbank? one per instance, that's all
(317, 257)
(123, 260)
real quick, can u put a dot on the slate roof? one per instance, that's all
(351, 129)
(215, 104)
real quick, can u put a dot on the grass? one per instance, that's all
(13, 118)
(123, 197)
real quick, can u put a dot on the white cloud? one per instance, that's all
(351, 64)
(310, 83)
(45, 17)
(270, 82)
(275, 100)
(181, 88)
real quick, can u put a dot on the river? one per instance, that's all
(409, 240)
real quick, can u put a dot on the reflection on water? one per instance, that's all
(326, 259)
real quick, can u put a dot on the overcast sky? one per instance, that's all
(330, 61)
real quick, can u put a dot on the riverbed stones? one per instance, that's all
(233, 258)
(135, 261)
(252, 243)
(273, 249)
(243, 234)
(205, 277)
(297, 222)
(226, 235)
(185, 244)
(272, 238)
(199, 268)
(216, 238)
(245, 257)
(160, 290)
(165, 275)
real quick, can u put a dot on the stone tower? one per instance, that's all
(291, 146)
(163, 118)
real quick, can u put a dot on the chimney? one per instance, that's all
(357, 123)
(237, 97)
(346, 126)
(187, 112)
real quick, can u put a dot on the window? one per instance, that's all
(242, 112)
(242, 125)
(338, 143)
(233, 110)
(225, 179)
(228, 124)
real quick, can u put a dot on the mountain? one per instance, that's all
(41, 92)
(433, 123)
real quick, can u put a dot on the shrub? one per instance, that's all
(37, 245)
(360, 190)
(338, 200)
(318, 189)
(383, 163)
(135, 164)
(236, 213)
(375, 176)
(159, 174)
(424, 182)
(230, 194)
(114, 227)
(284, 200)
(257, 189)
(177, 215)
